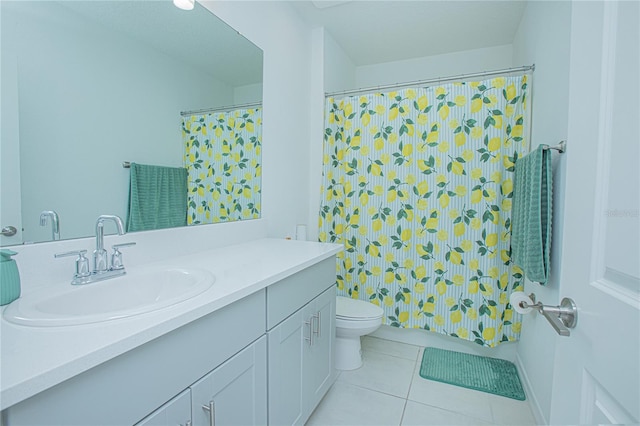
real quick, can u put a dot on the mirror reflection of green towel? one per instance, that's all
(157, 197)
(531, 216)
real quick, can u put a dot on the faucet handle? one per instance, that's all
(116, 256)
(82, 263)
(115, 246)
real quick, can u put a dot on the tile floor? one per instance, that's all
(388, 390)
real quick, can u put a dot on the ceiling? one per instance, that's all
(373, 32)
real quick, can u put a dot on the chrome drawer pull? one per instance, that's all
(310, 338)
(211, 408)
(318, 320)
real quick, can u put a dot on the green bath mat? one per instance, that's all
(490, 375)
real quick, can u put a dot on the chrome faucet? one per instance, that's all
(101, 268)
(55, 223)
(100, 258)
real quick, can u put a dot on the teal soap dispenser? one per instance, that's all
(9, 278)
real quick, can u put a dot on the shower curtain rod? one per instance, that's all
(433, 80)
(217, 109)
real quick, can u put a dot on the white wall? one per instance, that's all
(286, 42)
(316, 123)
(339, 70)
(543, 38)
(465, 62)
(331, 70)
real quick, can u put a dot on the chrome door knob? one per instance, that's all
(9, 231)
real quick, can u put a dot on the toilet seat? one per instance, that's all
(357, 310)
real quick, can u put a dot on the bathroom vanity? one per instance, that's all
(255, 348)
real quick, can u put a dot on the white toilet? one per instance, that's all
(354, 318)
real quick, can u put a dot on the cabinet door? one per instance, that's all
(319, 364)
(235, 393)
(286, 345)
(173, 413)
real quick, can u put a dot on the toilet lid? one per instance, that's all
(356, 309)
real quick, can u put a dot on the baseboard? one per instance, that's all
(528, 390)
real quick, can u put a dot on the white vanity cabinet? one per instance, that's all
(175, 412)
(127, 388)
(301, 318)
(265, 358)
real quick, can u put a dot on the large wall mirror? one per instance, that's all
(89, 85)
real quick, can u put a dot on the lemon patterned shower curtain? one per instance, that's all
(417, 185)
(222, 157)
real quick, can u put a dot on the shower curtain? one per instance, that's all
(222, 157)
(417, 185)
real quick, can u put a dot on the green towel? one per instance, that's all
(531, 216)
(157, 197)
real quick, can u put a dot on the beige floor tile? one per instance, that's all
(382, 373)
(416, 414)
(346, 404)
(452, 398)
(400, 350)
(508, 411)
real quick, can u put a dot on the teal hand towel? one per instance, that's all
(531, 216)
(157, 197)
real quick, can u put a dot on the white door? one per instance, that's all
(597, 369)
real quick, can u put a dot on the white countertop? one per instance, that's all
(34, 359)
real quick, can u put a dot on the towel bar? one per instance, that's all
(561, 147)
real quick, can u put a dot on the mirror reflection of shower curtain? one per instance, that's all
(222, 157)
(417, 184)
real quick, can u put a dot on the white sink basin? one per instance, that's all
(138, 292)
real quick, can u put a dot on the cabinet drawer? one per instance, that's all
(290, 294)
